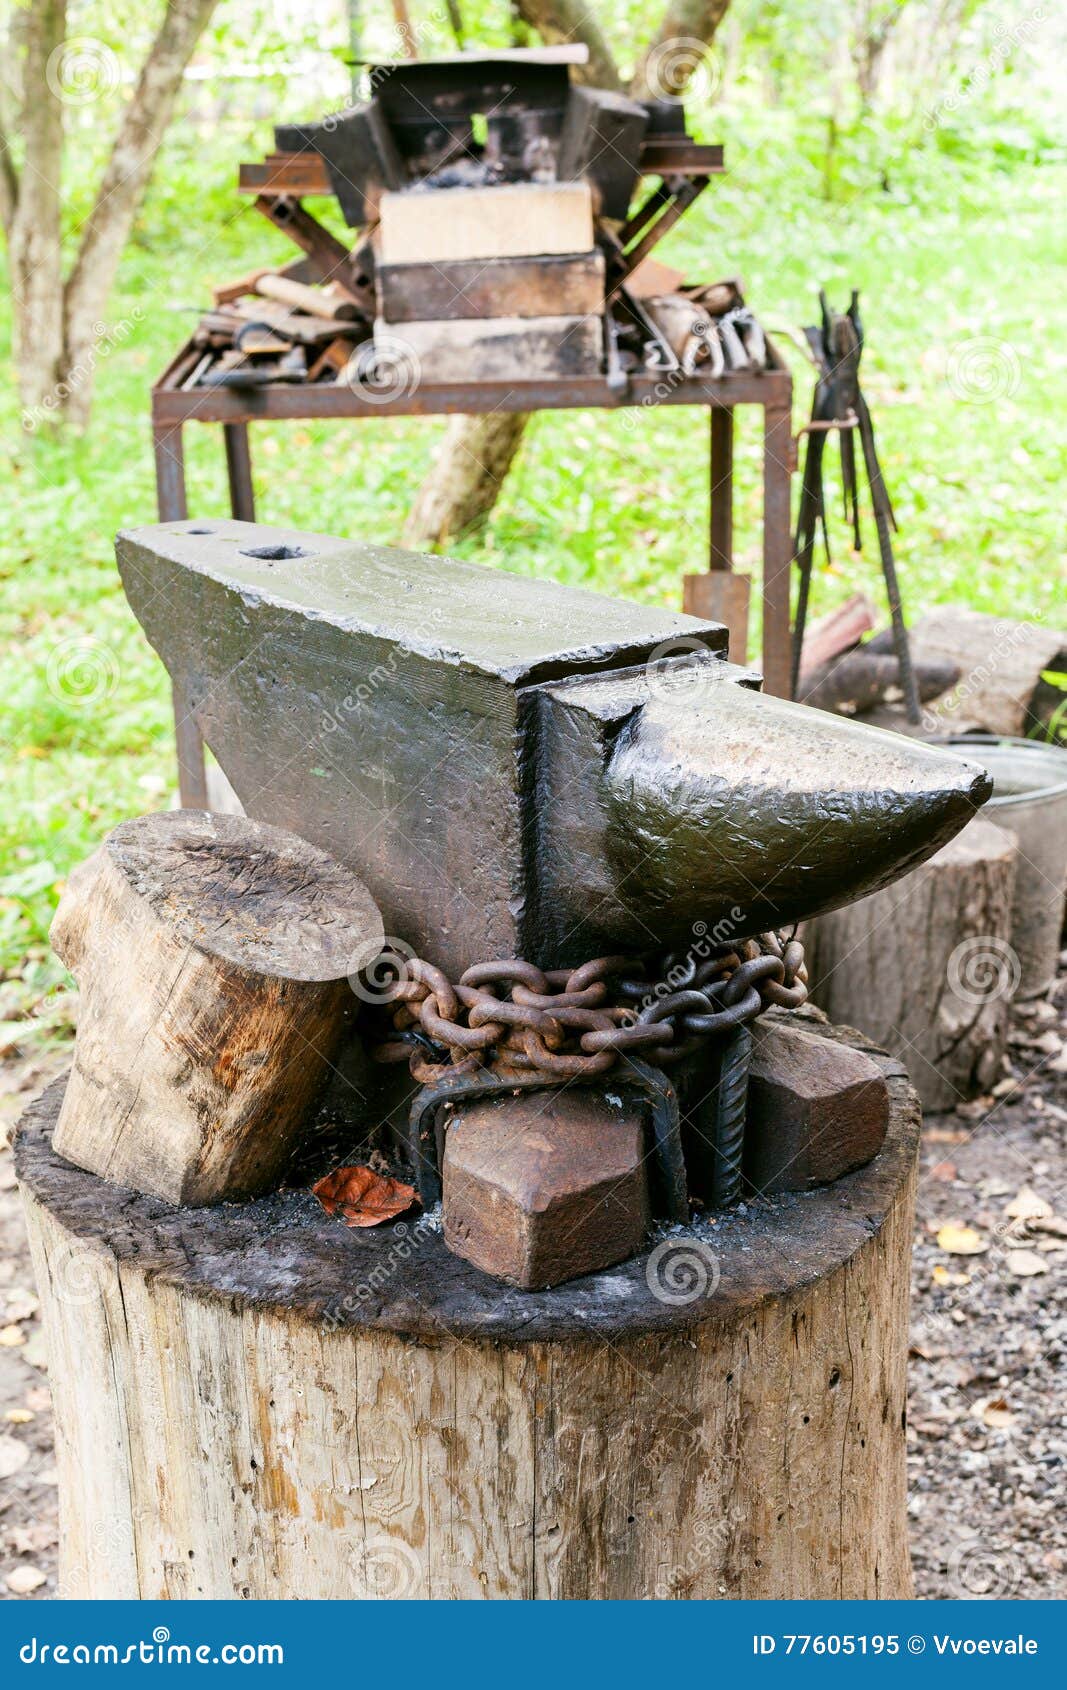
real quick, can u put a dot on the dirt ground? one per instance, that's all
(987, 1437)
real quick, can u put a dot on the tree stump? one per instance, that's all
(926, 968)
(253, 1401)
(212, 954)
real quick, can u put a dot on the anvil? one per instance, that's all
(519, 768)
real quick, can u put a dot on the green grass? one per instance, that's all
(956, 257)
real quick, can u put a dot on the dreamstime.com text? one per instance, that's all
(155, 1651)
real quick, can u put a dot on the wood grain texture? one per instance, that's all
(212, 955)
(334, 1428)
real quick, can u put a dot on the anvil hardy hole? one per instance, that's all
(274, 554)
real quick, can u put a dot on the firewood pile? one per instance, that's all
(498, 241)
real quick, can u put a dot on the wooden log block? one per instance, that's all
(494, 287)
(212, 955)
(1001, 661)
(227, 293)
(925, 968)
(501, 348)
(342, 1414)
(517, 220)
(860, 680)
(828, 636)
(299, 297)
(542, 1187)
(817, 1108)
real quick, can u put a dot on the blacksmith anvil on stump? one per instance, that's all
(515, 769)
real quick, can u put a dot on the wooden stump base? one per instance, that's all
(253, 1401)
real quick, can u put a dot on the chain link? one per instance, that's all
(576, 1023)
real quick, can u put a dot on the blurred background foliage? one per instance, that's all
(912, 148)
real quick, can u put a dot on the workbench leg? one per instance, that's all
(721, 551)
(172, 506)
(170, 472)
(239, 471)
(777, 550)
(720, 595)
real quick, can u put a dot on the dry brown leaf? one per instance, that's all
(960, 1240)
(1026, 1205)
(998, 1415)
(943, 1171)
(362, 1197)
(1025, 1263)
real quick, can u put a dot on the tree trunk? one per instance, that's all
(468, 472)
(34, 247)
(362, 1414)
(925, 968)
(568, 21)
(674, 57)
(121, 191)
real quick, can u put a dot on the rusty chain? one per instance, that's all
(576, 1023)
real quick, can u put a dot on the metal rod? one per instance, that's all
(731, 1101)
(777, 551)
(239, 471)
(721, 523)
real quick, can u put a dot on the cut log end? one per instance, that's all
(212, 954)
(251, 895)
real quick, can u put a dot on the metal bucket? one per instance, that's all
(1030, 800)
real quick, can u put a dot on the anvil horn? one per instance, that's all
(519, 768)
(720, 805)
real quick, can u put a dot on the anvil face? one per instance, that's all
(517, 768)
